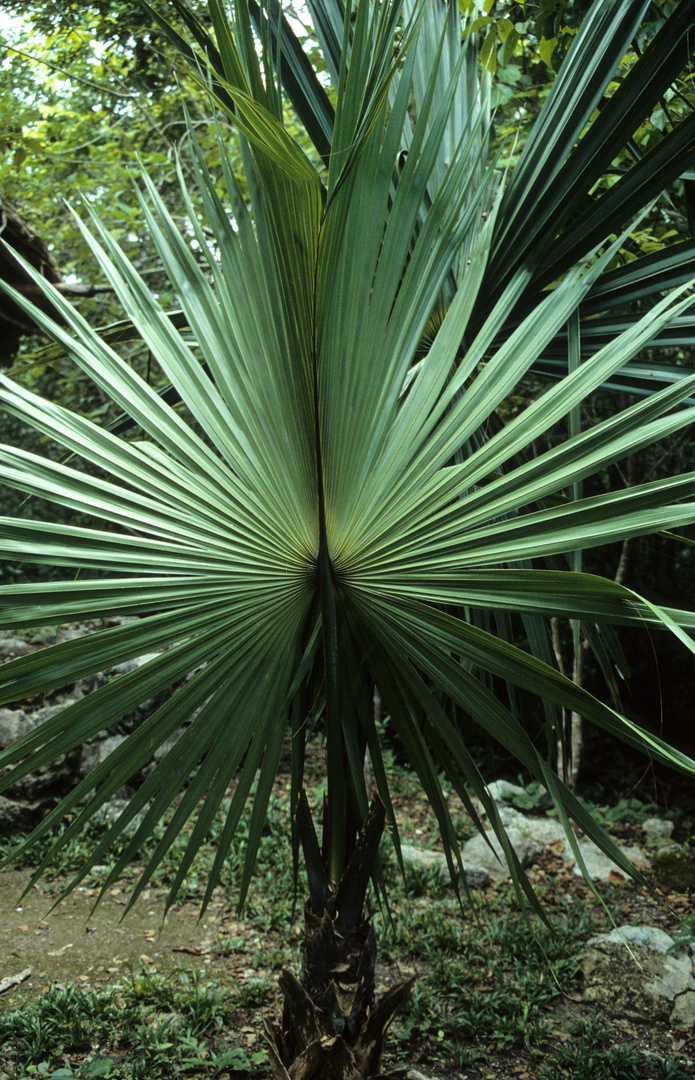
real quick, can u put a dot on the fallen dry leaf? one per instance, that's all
(59, 952)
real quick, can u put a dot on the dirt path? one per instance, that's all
(73, 942)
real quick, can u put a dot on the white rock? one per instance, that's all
(512, 818)
(655, 826)
(683, 1011)
(132, 665)
(71, 633)
(478, 852)
(13, 724)
(632, 970)
(544, 830)
(13, 646)
(499, 790)
(598, 865)
(422, 858)
(477, 877)
(651, 937)
(93, 753)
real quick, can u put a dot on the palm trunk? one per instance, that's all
(332, 1028)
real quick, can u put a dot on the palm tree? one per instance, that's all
(345, 503)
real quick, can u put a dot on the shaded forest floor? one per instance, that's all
(497, 996)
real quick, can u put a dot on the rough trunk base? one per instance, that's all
(332, 1027)
(302, 1049)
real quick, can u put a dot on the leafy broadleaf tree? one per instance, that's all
(346, 504)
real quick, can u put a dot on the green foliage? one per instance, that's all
(76, 125)
(584, 1058)
(345, 499)
(499, 991)
(270, 901)
(487, 978)
(123, 29)
(88, 93)
(162, 1025)
(630, 810)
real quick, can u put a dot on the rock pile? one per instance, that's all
(484, 860)
(28, 801)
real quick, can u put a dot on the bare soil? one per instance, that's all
(75, 941)
(50, 944)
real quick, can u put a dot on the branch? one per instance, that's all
(66, 288)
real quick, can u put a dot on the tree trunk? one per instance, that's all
(332, 1027)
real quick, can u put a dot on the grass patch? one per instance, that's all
(589, 1056)
(145, 1026)
(491, 983)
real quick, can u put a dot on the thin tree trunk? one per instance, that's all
(569, 751)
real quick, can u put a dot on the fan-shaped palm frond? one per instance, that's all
(336, 509)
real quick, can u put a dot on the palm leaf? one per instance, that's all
(341, 505)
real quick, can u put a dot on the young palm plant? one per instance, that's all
(345, 503)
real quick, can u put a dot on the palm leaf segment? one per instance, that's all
(330, 518)
(552, 213)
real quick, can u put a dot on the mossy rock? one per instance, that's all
(675, 868)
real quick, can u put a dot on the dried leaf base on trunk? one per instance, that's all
(332, 1027)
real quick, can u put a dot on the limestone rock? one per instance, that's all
(13, 724)
(59, 777)
(499, 790)
(477, 877)
(16, 722)
(658, 827)
(599, 866)
(634, 972)
(490, 856)
(544, 830)
(20, 817)
(12, 646)
(96, 751)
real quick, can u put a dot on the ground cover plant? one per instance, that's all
(331, 518)
(497, 995)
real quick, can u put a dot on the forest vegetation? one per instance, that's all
(390, 376)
